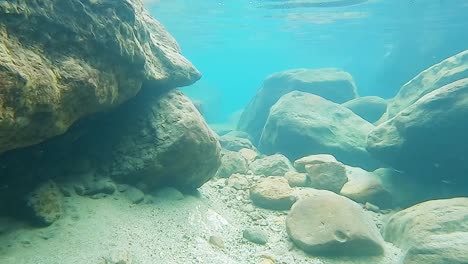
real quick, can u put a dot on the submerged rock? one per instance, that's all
(329, 176)
(58, 56)
(297, 179)
(431, 232)
(312, 160)
(274, 165)
(272, 193)
(238, 182)
(164, 141)
(249, 155)
(231, 162)
(134, 195)
(255, 235)
(450, 248)
(302, 124)
(447, 71)
(424, 139)
(370, 108)
(332, 84)
(329, 224)
(365, 187)
(235, 143)
(45, 203)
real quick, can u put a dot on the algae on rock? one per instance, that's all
(58, 56)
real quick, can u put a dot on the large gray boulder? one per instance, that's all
(447, 71)
(302, 124)
(431, 232)
(325, 223)
(333, 84)
(426, 139)
(164, 140)
(58, 56)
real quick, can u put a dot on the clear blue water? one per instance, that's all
(237, 43)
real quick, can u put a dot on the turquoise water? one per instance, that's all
(237, 43)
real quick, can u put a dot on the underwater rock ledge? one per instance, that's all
(58, 56)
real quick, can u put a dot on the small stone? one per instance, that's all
(238, 182)
(255, 235)
(274, 165)
(329, 224)
(267, 259)
(216, 241)
(46, 203)
(312, 160)
(134, 195)
(104, 186)
(297, 179)
(364, 186)
(272, 193)
(98, 196)
(231, 162)
(122, 187)
(329, 176)
(249, 155)
(79, 189)
(170, 193)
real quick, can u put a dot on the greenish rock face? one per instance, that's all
(58, 56)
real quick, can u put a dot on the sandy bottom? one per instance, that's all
(163, 231)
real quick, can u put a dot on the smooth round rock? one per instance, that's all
(272, 193)
(329, 224)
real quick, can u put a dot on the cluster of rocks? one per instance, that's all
(352, 155)
(75, 115)
(416, 134)
(351, 150)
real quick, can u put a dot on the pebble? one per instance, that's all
(255, 235)
(216, 241)
(134, 195)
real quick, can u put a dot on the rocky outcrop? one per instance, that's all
(441, 74)
(302, 124)
(332, 84)
(424, 140)
(370, 108)
(58, 56)
(431, 232)
(328, 224)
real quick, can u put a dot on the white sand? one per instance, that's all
(166, 231)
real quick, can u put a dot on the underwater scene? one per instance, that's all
(234, 131)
